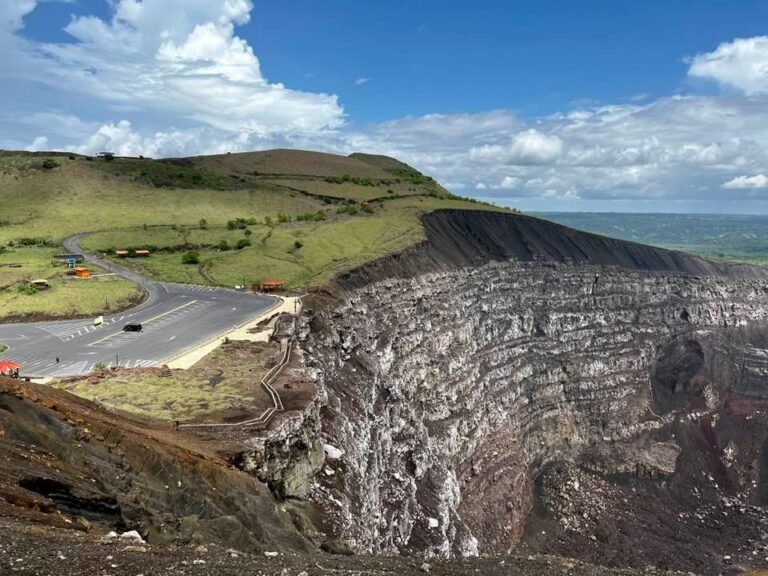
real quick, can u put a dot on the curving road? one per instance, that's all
(175, 317)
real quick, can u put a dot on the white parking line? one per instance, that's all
(158, 317)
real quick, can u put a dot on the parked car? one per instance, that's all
(133, 327)
(98, 321)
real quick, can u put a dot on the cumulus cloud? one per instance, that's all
(525, 148)
(176, 57)
(741, 64)
(12, 13)
(509, 183)
(39, 143)
(758, 181)
(676, 148)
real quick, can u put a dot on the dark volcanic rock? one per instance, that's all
(462, 238)
(457, 372)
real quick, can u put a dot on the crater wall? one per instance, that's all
(449, 391)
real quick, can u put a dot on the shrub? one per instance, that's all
(191, 257)
(41, 242)
(242, 243)
(224, 246)
(203, 223)
(282, 218)
(349, 209)
(268, 221)
(353, 179)
(99, 366)
(311, 216)
(49, 164)
(28, 289)
(237, 224)
(247, 233)
(298, 245)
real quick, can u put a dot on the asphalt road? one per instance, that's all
(175, 317)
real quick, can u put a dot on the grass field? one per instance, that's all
(210, 204)
(66, 297)
(324, 248)
(226, 385)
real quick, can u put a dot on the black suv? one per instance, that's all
(132, 328)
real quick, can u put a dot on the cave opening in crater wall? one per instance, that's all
(674, 373)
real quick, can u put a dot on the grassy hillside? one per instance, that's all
(294, 215)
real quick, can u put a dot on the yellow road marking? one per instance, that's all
(146, 322)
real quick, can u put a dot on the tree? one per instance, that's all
(191, 257)
(268, 220)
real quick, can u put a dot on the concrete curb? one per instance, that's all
(220, 336)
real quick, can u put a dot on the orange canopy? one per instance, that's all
(9, 365)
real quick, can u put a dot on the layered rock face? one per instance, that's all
(450, 391)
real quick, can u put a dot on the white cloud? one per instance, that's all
(676, 148)
(509, 183)
(525, 148)
(741, 64)
(179, 58)
(39, 143)
(758, 181)
(12, 13)
(361, 81)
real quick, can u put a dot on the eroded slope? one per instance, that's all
(457, 373)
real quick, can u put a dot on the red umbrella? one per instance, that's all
(9, 365)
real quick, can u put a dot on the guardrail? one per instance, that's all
(266, 416)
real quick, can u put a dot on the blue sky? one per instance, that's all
(560, 105)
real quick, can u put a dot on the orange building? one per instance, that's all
(272, 285)
(81, 272)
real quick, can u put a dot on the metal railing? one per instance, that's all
(266, 416)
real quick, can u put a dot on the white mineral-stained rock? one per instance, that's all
(496, 370)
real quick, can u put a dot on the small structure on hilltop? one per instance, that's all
(272, 285)
(69, 258)
(82, 272)
(40, 284)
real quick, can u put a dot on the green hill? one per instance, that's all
(295, 215)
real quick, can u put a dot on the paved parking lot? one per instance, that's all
(176, 319)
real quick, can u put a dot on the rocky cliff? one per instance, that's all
(459, 372)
